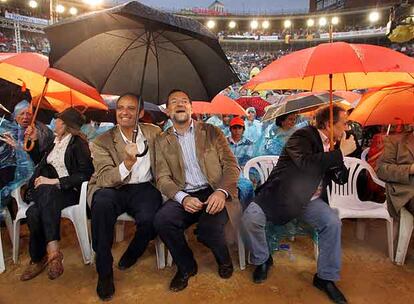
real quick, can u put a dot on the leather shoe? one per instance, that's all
(105, 288)
(330, 289)
(225, 270)
(33, 269)
(260, 273)
(180, 280)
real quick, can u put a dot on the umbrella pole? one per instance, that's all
(141, 101)
(30, 147)
(331, 135)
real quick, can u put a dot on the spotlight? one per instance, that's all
(254, 24)
(310, 22)
(60, 8)
(73, 11)
(33, 4)
(287, 23)
(232, 24)
(335, 20)
(211, 24)
(322, 21)
(265, 24)
(373, 17)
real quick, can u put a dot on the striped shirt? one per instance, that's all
(194, 177)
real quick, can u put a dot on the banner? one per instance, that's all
(26, 19)
(377, 31)
(269, 38)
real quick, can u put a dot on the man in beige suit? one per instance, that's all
(122, 182)
(197, 171)
(396, 168)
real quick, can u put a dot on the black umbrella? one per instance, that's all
(133, 48)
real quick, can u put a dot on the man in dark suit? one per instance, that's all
(296, 188)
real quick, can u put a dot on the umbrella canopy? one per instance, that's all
(352, 66)
(133, 48)
(389, 105)
(301, 103)
(220, 104)
(31, 70)
(256, 102)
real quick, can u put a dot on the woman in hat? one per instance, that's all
(54, 186)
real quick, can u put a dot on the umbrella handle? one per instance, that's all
(26, 147)
(145, 150)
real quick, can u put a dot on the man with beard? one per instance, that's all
(197, 171)
(122, 182)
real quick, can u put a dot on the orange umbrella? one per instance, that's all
(335, 66)
(32, 71)
(389, 105)
(220, 104)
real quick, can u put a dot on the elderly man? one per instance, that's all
(296, 188)
(253, 127)
(122, 183)
(197, 171)
(396, 168)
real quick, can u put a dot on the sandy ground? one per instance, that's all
(367, 277)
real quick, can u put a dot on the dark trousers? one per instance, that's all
(43, 217)
(172, 220)
(141, 201)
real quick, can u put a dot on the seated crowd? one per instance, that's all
(197, 166)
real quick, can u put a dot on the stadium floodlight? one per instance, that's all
(287, 23)
(335, 20)
(373, 16)
(3, 1)
(33, 4)
(211, 24)
(265, 24)
(254, 24)
(92, 2)
(232, 24)
(310, 22)
(73, 11)
(322, 21)
(60, 8)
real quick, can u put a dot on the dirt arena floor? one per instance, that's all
(367, 276)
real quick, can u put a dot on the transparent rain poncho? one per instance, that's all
(17, 157)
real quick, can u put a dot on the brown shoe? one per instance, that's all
(33, 269)
(55, 265)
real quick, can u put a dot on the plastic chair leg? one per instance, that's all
(81, 229)
(16, 240)
(406, 230)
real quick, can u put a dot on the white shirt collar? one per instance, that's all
(126, 140)
(64, 140)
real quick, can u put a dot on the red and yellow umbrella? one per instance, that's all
(335, 66)
(62, 90)
(389, 105)
(220, 104)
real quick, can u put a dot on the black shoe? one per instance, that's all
(260, 273)
(225, 271)
(330, 289)
(180, 280)
(127, 260)
(105, 288)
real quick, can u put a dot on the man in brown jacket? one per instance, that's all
(197, 171)
(396, 168)
(122, 182)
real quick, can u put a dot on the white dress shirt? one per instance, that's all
(141, 170)
(326, 147)
(56, 157)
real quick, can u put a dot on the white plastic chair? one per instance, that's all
(404, 236)
(345, 199)
(364, 154)
(264, 166)
(76, 214)
(8, 220)
(159, 245)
